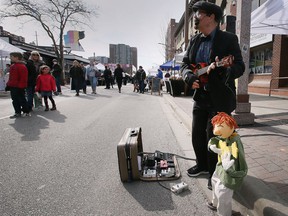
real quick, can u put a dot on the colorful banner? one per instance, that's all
(71, 40)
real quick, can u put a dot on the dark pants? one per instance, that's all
(119, 83)
(46, 101)
(107, 82)
(141, 86)
(30, 90)
(84, 86)
(58, 83)
(112, 82)
(18, 100)
(78, 84)
(202, 132)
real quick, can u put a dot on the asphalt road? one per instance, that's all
(65, 162)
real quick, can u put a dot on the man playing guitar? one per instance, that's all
(217, 94)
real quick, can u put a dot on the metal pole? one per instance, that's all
(243, 113)
(186, 24)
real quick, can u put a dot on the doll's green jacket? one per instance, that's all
(233, 177)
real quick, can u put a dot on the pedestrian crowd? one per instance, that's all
(31, 81)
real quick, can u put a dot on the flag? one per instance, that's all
(71, 40)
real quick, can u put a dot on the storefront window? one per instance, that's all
(261, 60)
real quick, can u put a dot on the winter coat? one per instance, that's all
(76, 72)
(140, 75)
(107, 73)
(45, 82)
(118, 73)
(18, 76)
(32, 71)
(56, 70)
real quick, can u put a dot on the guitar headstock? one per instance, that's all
(226, 61)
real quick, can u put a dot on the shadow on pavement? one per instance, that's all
(256, 191)
(30, 131)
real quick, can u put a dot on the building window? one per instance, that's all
(261, 60)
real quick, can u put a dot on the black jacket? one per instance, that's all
(57, 70)
(118, 73)
(32, 73)
(220, 92)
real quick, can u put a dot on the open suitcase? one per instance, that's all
(135, 164)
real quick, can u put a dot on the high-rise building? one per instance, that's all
(134, 56)
(123, 54)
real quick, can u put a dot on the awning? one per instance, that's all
(170, 65)
(270, 18)
(6, 48)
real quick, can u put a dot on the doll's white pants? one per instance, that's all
(221, 197)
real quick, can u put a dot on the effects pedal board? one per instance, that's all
(149, 173)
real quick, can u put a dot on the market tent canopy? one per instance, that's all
(270, 18)
(170, 65)
(6, 48)
(100, 66)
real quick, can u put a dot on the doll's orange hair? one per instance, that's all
(224, 117)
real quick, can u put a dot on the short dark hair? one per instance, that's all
(17, 54)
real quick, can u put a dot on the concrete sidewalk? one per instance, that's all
(265, 189)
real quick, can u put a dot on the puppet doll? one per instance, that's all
(231, 167)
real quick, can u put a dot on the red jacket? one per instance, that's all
(45, 82)
(18, 75)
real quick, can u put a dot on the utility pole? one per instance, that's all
(36, 38)
(243, 113)
(186, 24)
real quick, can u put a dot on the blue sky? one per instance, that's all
(136, 23)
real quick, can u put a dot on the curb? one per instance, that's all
(254, 198)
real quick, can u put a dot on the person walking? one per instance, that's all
(91, 71)
(33, 65)
(84, 78)
(7, 69)
(107, 76)
(76, 73)
(118, 74)
(45, 85)
(141, 76)
(57, 72)
(214, 91)
(18, 79)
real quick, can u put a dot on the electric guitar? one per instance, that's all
(200, 69)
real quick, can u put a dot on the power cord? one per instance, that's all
(167, 188)
(176, 155)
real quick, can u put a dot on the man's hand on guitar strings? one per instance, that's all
(212, 66)
(195, 84)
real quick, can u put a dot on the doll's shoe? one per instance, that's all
(53, 108)
(211, 206)
(46, 109)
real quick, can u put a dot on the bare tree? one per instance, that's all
(52, 15)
